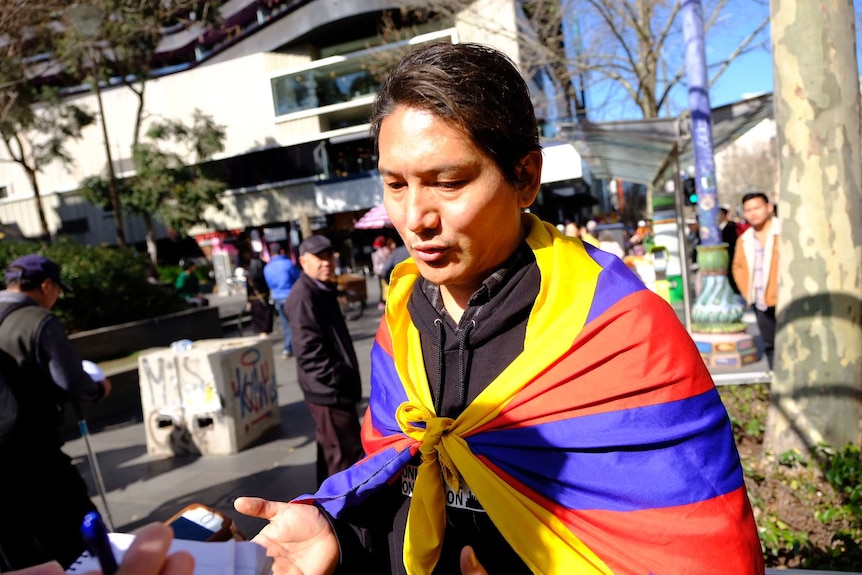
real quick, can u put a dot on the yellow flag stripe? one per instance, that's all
(568, 275)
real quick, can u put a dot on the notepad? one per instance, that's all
(211, 558)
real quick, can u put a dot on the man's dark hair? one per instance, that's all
(188, 265)
(476, 87)
(753, 195)
(723, 211)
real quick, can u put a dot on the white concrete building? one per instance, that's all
(292, 82)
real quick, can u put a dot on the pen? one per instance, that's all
(96, 537)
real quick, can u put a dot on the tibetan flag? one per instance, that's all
(603, 448)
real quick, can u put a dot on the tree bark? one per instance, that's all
(21, 160)
(817, 385)
(43, 220)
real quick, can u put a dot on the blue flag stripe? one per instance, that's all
(607, 458)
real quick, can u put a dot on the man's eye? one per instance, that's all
(450, 185)
(394, 185)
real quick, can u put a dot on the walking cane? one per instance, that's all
(98, 375)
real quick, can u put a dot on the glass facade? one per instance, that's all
(320, 87)
(350, 77)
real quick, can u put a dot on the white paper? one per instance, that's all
(211, 558)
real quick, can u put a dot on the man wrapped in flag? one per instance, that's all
(534, 409)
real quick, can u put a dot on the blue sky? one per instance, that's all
(750, 74)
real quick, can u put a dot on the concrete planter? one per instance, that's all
(118, 341)
(115, 349)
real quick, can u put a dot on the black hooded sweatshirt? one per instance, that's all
(460, 361)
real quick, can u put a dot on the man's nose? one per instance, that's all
(420, 209)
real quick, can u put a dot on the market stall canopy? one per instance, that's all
(373, 219)
(637, 150)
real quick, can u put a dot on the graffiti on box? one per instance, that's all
(190, 389)
(253, 386)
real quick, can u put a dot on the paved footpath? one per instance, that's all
(143, 488)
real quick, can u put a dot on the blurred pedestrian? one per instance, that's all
(379, 259)
(280, 274)
(396, 256)
(588, 234)
(258, 296)
(44, 497)
(189, 285)
(729, 235)
(326, 366)
(755, 265)
(608, 243)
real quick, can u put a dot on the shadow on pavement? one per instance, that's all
(278, 484)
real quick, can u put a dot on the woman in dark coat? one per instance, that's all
(261, 310)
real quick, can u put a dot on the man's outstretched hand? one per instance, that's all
(298, 537)
(301, 541)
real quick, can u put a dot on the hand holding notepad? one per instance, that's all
(211, 558)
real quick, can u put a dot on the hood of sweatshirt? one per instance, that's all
(463, 359)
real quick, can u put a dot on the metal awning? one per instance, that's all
(637, 150)
(645, 151)
(561, 162)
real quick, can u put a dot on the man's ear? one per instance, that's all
(528, 174)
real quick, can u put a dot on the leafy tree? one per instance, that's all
(106, 41)
(35, 123)
(127, 34)
(177, 193)
(164, 186)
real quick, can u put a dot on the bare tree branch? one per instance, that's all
(739, 50)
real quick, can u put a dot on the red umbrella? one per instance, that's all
(375, 218)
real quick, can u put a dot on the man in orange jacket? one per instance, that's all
(755, 265)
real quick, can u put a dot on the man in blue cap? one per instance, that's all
(44, 497)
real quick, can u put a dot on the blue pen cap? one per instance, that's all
(96, 537)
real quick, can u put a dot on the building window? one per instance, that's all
(76, 226)
(339, 79)
(334, 84)
(4, 191)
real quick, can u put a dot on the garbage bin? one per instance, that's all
(215, 398)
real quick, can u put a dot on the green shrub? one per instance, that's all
(110, 284)
(169, 274)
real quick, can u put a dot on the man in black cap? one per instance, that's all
(44, 497)
(326, 364)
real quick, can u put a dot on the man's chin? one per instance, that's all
(440, 275)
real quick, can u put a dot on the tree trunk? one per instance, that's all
(43, 220)
(817, 386)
